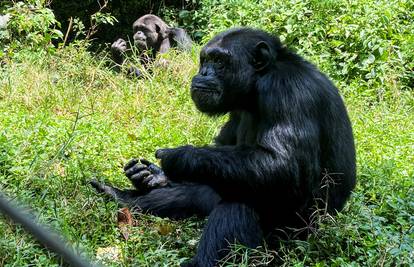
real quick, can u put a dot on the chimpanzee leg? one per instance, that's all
(176, 201)
(227, 224)
(179, 201)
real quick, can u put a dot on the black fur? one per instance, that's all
(151, 35)
(286, 149)
(180, 39)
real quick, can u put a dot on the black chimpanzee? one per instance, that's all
(286, 150)
(153, 35)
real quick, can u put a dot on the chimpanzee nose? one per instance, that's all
(206, 71)
(139, 36)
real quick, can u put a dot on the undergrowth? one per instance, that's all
(66, 118)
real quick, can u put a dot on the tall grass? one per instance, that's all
(66, 118)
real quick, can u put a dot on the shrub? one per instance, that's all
(125, 12)
(359, 41)
(31, 25)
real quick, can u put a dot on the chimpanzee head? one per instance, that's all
(149, 32)
(230, 65)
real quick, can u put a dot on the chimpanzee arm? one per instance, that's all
(234, 164)
(278, 157)
(181, 39)
(228, 132)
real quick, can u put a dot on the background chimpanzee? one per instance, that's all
(286, 150)
(153, 35)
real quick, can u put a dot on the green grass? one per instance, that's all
(66, 118)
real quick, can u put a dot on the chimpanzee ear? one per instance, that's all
(162, 33)
(157, 28)
(262, 56)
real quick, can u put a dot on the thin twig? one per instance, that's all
(67, 32)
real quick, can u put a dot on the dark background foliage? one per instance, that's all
(125, 11)
(66, 117)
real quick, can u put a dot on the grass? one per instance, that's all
(66, 118)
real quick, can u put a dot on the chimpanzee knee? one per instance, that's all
(228, 223)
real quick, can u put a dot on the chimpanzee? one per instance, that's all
(153, 35)
(286, 151)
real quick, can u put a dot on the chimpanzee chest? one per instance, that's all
(247, 130)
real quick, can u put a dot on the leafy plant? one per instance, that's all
(353, 41)
(30, 25)
(67, 118)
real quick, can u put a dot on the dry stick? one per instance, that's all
(92, 28)
(67, 32)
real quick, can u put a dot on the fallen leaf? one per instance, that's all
(125, 222)
(124, 216)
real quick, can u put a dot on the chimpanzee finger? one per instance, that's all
(155, 169)
(146, 162)
(124, 197)
(105, 189)
(135, 169)
(99, 187)
(117, 44)
(147, 180)
(130, 163)
(151, 166)
(137, 178)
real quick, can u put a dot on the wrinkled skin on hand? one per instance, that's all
(144, 174)
(118, 48)
(168, 156)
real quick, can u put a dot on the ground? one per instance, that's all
(67, 118)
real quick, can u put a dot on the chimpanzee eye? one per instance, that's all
(219, 63)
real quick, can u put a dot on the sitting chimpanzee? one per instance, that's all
(151, 34)
(286, 150)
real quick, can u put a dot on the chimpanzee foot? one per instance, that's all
(122, 196)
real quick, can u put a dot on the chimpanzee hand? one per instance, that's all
(144, 174)
(118, 48)
(173, 161)
(133, 71)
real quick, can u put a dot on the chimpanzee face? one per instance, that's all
(149, 31)
(226, 77)
(146, 35)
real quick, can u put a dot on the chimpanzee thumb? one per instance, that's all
(160, 153)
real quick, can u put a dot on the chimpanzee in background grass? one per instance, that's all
(151, 35)
(286, 150)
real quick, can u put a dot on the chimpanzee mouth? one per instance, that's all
(140, 44)
(205, 90)
(206, 98)
(205, 94)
